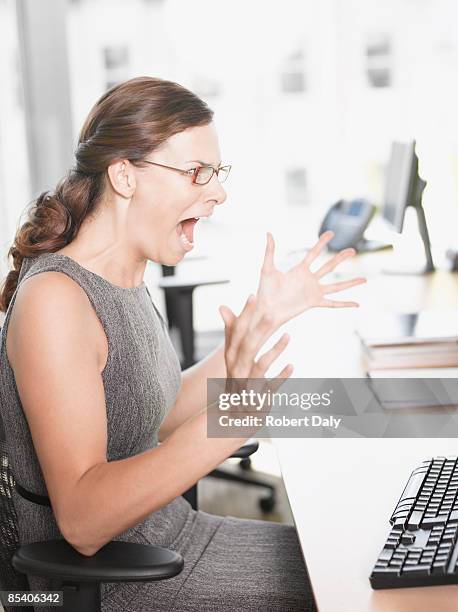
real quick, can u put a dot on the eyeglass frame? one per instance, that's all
(194, 171)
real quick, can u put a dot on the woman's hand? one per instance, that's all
(284, 295)
(244, 338)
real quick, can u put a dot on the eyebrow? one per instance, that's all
(202, 163)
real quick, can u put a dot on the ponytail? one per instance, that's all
(53, 221)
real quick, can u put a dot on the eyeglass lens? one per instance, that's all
(205, 173)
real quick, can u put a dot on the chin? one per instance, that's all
(168, 259)
(172, 259)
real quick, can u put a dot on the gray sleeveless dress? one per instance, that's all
(230, 564)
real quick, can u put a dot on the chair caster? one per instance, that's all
(245, 464)
(267, 504)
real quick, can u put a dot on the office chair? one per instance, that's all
(77, 576)
(251, 446)
(268, 501)
(179, 309)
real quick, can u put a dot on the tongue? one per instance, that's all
(188, 228)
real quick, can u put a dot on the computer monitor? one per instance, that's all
(403, 188)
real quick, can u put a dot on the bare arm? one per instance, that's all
(58, 374)
(193, 391)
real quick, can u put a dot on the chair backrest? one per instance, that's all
(10, 579)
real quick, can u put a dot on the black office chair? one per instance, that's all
(77, 576)
(268, 501)
(244, 452)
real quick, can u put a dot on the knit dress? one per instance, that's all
(229, 564)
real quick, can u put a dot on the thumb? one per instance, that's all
(268, 262)
(227, 315)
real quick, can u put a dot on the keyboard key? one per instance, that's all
(413, 486)
(415, 569)
(448, 537)
(387, 571)
(432, 521)
(408, 538)
(415, 520)
(385, 555)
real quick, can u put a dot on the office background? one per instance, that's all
(308, 97)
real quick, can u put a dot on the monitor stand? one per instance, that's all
(368, 246)
(428, 267)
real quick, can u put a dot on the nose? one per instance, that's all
(216, 191)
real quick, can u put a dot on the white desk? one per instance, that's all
(342, 492)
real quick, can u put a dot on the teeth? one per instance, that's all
(185, 240)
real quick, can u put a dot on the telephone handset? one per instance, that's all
(348, 219)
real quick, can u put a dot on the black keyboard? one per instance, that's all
(421, 548)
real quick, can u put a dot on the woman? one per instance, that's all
(90, 381)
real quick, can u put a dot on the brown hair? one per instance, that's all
(129, 121)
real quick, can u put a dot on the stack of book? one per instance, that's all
(415, 388)
(426, 339)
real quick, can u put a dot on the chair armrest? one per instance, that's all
(250, 447)
(114, 562)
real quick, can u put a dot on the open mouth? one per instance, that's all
(185, 230)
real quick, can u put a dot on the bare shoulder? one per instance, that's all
(49, 285)
(50, 307)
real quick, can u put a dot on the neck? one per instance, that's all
(102, 246)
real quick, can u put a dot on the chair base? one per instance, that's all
(82, 596)
(267, 503)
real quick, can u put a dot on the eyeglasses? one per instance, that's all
(201, 175)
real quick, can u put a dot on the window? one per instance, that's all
(378, 60)
(206, 87)
(296, 187)
(14, 167)
(293, 73)
(116, 61)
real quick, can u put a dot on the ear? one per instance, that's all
(122, 177)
